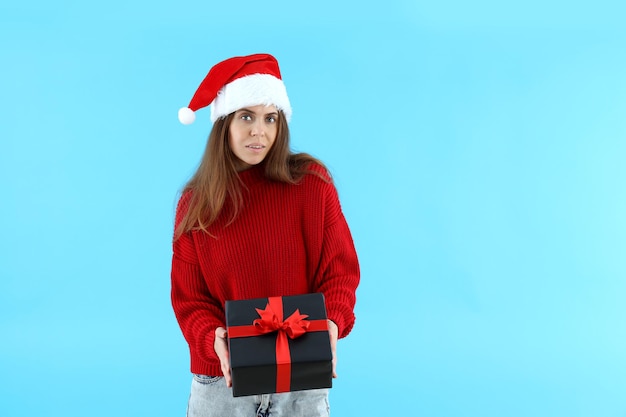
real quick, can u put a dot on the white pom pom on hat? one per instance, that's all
(236, 83)
(186, 116)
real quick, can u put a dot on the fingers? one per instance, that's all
(226, 372)
(221, 349)
(333, 332)
(221, 332)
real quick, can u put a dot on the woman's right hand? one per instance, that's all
(221, 349)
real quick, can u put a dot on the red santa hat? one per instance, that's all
(236, 83)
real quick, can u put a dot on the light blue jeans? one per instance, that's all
(211, 398)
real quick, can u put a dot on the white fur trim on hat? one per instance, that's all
(251, 90)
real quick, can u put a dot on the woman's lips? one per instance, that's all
(256, 147)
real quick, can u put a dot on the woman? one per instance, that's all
(254, 221)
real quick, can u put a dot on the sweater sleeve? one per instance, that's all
(338, 275)
(197, 312)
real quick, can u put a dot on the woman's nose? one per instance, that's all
(257, 129)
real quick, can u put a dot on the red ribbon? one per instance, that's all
(272, 321)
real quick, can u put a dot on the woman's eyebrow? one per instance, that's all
(246, 110)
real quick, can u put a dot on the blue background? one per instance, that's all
(478, 149)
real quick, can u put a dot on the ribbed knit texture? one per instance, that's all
(287, 240)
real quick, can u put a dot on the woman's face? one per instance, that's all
(252, 133)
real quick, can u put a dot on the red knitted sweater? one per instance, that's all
(287, 240)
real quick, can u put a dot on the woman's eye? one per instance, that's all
(271, 119)
(246, 117)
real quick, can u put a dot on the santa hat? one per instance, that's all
(236, 83)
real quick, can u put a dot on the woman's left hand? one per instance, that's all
(333, 332)
(221, 350)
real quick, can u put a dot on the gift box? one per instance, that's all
(278, 344)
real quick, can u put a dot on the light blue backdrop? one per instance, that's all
(478, 148)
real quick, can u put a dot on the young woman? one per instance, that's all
(254, 221)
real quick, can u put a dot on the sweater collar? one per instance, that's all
(253, 175)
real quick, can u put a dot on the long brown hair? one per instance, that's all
(216, 180)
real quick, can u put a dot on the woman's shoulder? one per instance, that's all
(185, 196)
(184, 201)
(305, 165)
(318, 169)
(316, 176)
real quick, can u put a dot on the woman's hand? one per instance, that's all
(333, 332)
(221, 349)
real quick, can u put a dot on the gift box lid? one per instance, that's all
(313, 346)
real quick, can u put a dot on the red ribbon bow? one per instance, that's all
(272, 321)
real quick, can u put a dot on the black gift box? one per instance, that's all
(253, 356)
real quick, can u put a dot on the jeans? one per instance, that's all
(211, 398)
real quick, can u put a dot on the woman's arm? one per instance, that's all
(338, 273)
(197, 312)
